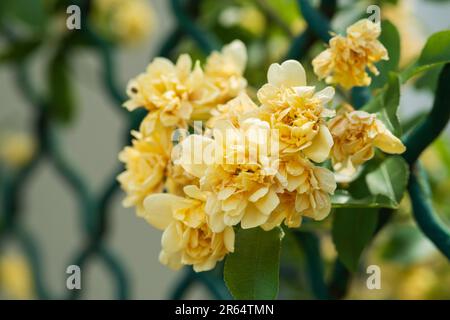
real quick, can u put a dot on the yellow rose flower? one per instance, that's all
(187, 238)
(236, 167)
(311, 184)
(416, 283)
(180, 94)
(16, 149)
(247, 17)
(233, 111)
(224, 70)
(171, 91)
(128, 21)
(347, 58)
(296, 111)
(145, 162)
(135, 20)
(16, 277)
(355, 134)
(178, 178)
(285, 211)
(307, 193)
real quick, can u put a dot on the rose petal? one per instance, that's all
(196, 153)
(290, 74)
(228, 239)
(253, 217)
(171, 240)
(258, 194)
(237, 52)
(268, 203)
(321, 145)
(159, 209)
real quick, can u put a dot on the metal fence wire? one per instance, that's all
(94, 209)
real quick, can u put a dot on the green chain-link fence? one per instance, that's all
(94, 208)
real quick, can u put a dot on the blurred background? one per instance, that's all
(95, 133)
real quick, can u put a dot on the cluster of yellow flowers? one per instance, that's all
(127, 21)
(180, 93)
(254, 165)
(176, 95)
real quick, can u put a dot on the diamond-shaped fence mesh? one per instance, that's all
(94, 209)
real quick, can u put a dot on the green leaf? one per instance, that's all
(429, 79)
(391, 101)
(62, 105)
(252, 271)
(435, 53)
(381, 184)
(352, 231)
(386, 103)
(389, 179)
(437, 49)
(344, 199)
(390, 38)
(411, 123)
